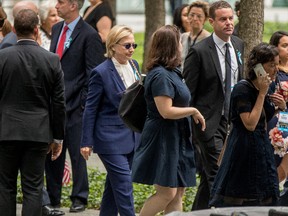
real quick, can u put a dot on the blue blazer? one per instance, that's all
(84, 53)
(102, 126)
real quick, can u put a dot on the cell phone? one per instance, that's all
(259, 70)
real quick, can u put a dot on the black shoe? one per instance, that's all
(48, 211)
(77, 206)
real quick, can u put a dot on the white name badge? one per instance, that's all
(283, 121)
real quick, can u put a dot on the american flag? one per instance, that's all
(66, 174)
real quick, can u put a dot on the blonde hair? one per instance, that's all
(117, 33)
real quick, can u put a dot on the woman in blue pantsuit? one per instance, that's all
(103, 130)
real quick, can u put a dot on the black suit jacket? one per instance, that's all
(84, 53)
(32, 106)
(202, 72)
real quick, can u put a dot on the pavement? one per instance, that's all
(87, 212)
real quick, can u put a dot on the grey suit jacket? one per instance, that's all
(32, 106)
(202, 73)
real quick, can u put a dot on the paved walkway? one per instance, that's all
(87, 212)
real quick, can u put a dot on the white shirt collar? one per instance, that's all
(219, 42)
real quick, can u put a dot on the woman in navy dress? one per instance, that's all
(247, 175)
(165, 157)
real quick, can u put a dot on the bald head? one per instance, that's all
(24, 5)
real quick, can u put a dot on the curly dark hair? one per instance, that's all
(262, 53)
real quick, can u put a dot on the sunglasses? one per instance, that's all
(128, 45)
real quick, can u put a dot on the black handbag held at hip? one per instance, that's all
(132, 107)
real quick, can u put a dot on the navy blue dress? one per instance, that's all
(165, 155)
(248, 167)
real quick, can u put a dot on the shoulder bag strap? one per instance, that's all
(136, 72)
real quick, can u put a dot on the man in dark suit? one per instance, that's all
(80, 52)
(206, 77)
(11, 40)
(32, 109)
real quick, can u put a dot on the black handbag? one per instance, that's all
(132, 107)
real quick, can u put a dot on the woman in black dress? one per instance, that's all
(165, 157)
(99, 15)
(248, 175)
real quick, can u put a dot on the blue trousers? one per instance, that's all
(118, 193)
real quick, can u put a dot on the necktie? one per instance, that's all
(61, 43)
(227, 80)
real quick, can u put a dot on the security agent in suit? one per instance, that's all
(10, 40)
(204, 72)
(82, 52)
(32, 110)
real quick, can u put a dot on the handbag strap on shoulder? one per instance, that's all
(136, 72)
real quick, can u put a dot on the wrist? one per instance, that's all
(282, 109)
(277, 108)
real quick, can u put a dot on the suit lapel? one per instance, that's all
(116, 76)
(74, 34)
(238, 54)
(215, 59)
(56, 34)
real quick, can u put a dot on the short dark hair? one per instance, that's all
(164, 48)
(237, 6)
(262, 53)
(218, 5)
(25, 22)
(275, 38)
(177, 19)
(79, 3)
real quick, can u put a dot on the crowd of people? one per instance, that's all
(62, 79)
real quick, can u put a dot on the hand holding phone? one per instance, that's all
(259, 70)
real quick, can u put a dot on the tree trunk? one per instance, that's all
(251, 24)
(113, 7)
(154, 18)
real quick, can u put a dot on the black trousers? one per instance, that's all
(29, 159)
(54, 169)
(210, 151)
